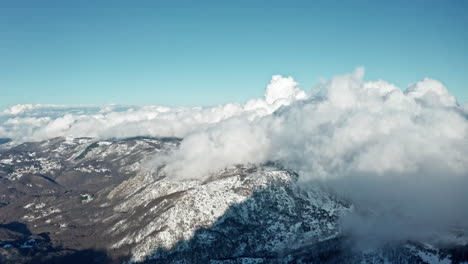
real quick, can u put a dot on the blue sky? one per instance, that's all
(212, 52)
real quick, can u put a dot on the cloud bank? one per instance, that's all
(39, 122)
(400, 156)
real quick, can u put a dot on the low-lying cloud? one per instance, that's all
(400, 156)
(39, 122)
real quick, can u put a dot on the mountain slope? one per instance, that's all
(84, 200)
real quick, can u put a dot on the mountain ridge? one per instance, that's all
(103, 206)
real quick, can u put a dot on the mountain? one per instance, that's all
(82, 200)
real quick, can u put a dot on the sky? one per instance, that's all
(185, 53)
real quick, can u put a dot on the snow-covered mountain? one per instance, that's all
(83, 200)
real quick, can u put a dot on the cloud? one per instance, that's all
(39, 122)
(400, 156)
(431, 92)
(18, 109)
(237, 141)
(281, 88)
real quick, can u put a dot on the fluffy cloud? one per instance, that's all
(352, 125)
(237, 141)
(39, 122)
(400, 156)
(431, 92)
(281, 88)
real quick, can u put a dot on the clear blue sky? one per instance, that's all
(211, 52)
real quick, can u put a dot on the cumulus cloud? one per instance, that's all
(281, 88)
(431, 92)
(39, 122)
(400, 156)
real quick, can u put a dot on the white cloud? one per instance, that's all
(237, 141)
(400, 156)
(431, 92)
(38, 122)
(18, 109)
(281, 88)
